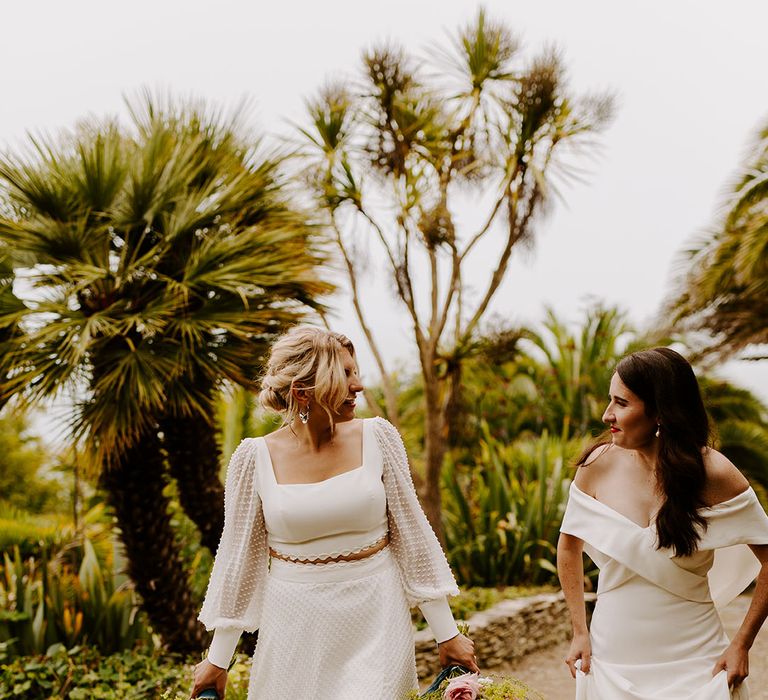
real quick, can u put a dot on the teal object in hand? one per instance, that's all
(208, 693)
(447, 672)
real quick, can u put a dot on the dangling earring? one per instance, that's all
(658, 429)
(304, 415)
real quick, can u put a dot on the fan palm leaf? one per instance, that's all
(723, 289)
(166, 256)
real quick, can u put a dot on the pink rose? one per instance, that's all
(464, 687)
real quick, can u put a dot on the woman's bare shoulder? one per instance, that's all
(595, 465)
(723, 481)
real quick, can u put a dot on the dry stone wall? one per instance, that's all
(506, 632)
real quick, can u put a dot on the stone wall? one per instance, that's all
(506, 632)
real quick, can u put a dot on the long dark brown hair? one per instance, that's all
(667, 386)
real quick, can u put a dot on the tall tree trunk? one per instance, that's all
(134, 488)
(194, 460)
(193, 456)
(456, 427)
(435, 446)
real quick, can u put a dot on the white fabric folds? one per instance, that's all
(236, 588)
(655, 631)
(423, 567)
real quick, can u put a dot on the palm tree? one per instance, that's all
(725, 287)
(391, 162)
(166, 257)
(740, 422)
(10, 306)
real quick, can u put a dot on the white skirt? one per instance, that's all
(649, 644)
(338, 631)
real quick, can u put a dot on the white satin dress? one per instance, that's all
(655, 632)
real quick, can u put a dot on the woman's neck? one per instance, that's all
(315, 434)
(649, 454)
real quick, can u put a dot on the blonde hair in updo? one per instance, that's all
(309, 358)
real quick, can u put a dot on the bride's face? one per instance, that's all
(625, 415)
(354, 386)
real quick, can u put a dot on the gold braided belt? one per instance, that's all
(364, 553)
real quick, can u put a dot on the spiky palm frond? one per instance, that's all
(745, 443)
(484, 50)
(163, 253)
(725, 402)
(724, 287)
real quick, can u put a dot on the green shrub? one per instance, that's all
(54, 537)
(502, 513)
(32, 538)
(42, 604)
(82, 673)
(26, 481)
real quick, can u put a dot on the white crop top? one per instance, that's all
(340, 515)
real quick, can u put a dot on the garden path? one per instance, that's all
(546, 671)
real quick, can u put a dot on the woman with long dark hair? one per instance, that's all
(670, 523)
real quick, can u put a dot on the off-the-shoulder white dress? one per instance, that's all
(333, 631)
(655, 632)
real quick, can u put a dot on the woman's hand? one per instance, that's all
(581, 648)
(735, 660)
(458, 650)
(209, 676)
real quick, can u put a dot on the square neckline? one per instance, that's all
(321, 481)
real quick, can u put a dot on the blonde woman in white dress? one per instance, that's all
(325, 547)
(670, 523)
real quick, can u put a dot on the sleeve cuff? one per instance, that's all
(439, 617)
(223, 646)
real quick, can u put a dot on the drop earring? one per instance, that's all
(304, 415)
(658, 430)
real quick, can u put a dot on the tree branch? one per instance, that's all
(386, 380)
(405, 292)
(517, 230)
(502, 197)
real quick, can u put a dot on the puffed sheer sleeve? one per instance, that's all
(424, 569)
(236, 587)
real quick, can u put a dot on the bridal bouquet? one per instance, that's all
(471, 686)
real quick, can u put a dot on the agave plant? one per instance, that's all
(572, 369)
(503, 512)
(42, 605)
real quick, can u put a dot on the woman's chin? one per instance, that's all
(346, 413)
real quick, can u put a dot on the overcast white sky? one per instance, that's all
(689, 74)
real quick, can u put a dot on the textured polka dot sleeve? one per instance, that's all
(423, 567)
(236, 587)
